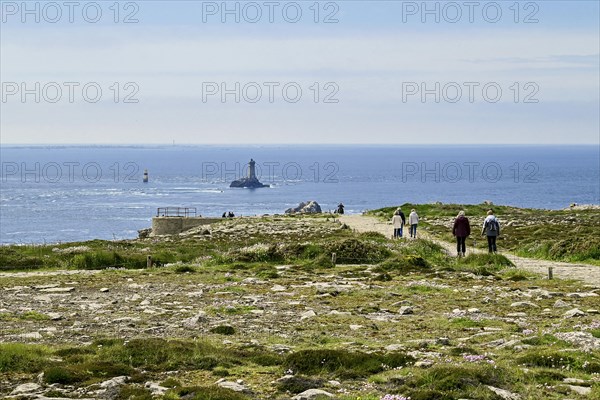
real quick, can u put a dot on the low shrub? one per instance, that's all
(182, 269)
(454, 381)
(403, 264)
(357, 251)
(344, 363)
(17, 357)
(208, 393)
(64, 375)
(298, 384)
(223, 330)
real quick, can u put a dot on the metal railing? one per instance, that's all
(176, 212)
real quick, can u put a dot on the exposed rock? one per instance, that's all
(311, 207)
(116, 381)
(524, 304)
(336, 312)
(584, 391)
(194, 321)
(54, 316)
(31, 335)
(504, 394)
(25, 388)
(112, 387)
(517, 315)
(575, 381)
(58, 290)
(248, 183)
(156, 389)
(394, 347)
(424, 364)
(285, 379)
(281, 348)
(509, 344)
(311, 394)
(561, 304)
(583, 340)
(574, 313)
(253, 281)
(405, 310)
(582, 295)
(40, 397)
(144, 233)
(235, 386)
(308, 314)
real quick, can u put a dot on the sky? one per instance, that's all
(266, 72)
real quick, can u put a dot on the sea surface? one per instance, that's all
(71, 193)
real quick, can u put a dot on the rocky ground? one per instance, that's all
(508, 335)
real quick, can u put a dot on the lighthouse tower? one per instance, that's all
(252, 170)
(251, 181)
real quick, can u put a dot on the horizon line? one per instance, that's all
(570, 144)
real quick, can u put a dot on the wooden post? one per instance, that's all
(333, 258)
(550, 270)
(149, 262)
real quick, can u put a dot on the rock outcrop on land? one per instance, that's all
(310, 207)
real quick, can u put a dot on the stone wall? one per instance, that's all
(175, 225)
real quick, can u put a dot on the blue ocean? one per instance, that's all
(52, 194)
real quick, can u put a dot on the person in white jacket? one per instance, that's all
(398, 221)
(413, 221)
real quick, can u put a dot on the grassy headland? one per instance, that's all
(258, 300)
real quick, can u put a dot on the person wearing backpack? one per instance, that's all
(461, 230)
(491, 229)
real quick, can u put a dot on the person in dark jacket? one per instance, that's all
(461, 230)
(491, 229)
(403, 217)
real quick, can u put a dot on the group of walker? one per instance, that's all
(399, 220)
(461, 229)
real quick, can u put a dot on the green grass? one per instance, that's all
(456, 381)
(34, 316)
(349, 365)
(560, 360)
(16, 357)
(206, 393)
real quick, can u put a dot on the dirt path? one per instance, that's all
(26, 274)
(583, 272)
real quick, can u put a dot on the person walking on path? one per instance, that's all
(461, 230)
(398, 221)
(491, 229)
(413, 221)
